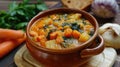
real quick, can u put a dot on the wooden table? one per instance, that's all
(8, 61)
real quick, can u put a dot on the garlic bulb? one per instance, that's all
(111, 34)
(105, 8)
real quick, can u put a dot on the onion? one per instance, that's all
(105, 8)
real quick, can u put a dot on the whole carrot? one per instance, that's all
(9, 45)
(20, 40)
(10, 34)
(6, 47)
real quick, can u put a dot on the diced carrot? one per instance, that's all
(76, 34)
(41, 37)
(68, 32)
(53, 35)
(42, 43)
(50, 22)
(41, 32)
(59, 39)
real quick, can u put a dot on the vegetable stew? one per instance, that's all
(62, 30)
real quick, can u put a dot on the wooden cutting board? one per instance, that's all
(105, 59)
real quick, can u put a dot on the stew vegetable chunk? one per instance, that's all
(62, 30)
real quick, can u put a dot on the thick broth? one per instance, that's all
(63, 30)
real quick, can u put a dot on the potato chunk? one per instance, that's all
(52, 44)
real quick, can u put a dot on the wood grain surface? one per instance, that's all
(24, 59)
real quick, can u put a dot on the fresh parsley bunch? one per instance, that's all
(18, 15)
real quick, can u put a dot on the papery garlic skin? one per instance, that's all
(111, 34)
(105, 8)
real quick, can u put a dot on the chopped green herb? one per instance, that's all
(75, 26)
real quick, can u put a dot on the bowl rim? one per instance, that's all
(63, 50)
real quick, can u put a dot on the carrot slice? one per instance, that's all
(68, 32)
(41, 32)
(42, 39)
(76, 34)
(53, 35)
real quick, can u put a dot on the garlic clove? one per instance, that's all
(111, 34)
(115, 27)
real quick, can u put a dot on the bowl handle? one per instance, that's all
(88, 52)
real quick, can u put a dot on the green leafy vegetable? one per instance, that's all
(75, 26)
(20, 14)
